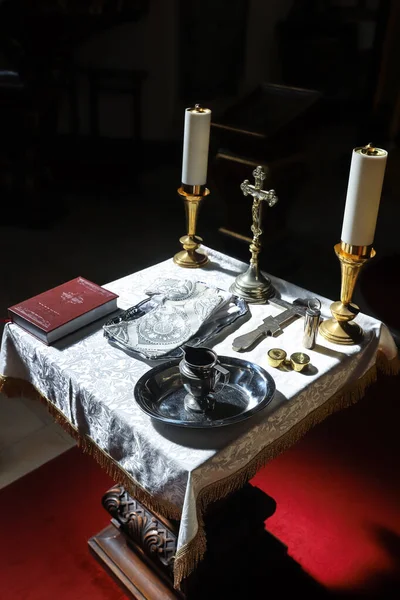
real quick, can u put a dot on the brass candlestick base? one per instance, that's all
(189, 258)
(340, 329)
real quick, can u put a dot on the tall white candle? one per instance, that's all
(363, 196)
(195, 145)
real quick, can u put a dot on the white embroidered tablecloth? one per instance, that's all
(92, 383)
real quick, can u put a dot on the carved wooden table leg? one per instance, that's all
(137, 548)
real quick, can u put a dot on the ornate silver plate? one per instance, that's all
(236, 309)
(160, 394)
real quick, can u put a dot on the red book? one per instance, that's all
(63, 309)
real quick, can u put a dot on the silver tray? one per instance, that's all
(160, 394)
(238, 309)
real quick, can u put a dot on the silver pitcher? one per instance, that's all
(201, 373)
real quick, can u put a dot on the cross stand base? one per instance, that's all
(252, 286)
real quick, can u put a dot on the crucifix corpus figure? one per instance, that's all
(252, 285)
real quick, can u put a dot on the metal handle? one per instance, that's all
(218, 372)
(244, 342)
(314, 306)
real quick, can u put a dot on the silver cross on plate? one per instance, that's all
(271, 326)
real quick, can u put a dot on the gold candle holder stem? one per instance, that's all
(350, 271)
(340, 329)
(189, 258)
(192, 206)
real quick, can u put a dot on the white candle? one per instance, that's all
(195, 145)
(363, 196)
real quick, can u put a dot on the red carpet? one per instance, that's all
(338, 497)
(337, 494)
(45, 522)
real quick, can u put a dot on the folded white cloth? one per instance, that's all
(184, 306)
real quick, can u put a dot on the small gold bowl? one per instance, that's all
(299, 361)
(276, 357)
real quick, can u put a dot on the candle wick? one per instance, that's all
(369, 149)
(198, 108)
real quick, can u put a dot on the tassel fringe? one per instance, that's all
(386, 366)
(13, 388)
(192, 553)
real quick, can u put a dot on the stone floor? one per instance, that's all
(29, 437)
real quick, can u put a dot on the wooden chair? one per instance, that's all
(266, 128)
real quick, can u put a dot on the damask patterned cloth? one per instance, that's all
(183, 307)
(92, 384)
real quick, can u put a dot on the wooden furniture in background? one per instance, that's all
(268, 128)
(115, 81)
(386, 97)
(332, 45)
(41, 56)
(212, 48)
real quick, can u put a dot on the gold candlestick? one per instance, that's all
(189, 258)
(340, 329)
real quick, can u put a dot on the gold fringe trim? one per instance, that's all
(386, 366)
(13, 387)
(192, 553)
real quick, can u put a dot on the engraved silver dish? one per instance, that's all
(223, 319)
(161, 395)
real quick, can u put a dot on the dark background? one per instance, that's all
(92, 99)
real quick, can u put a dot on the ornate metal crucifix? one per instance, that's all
(252, 285)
